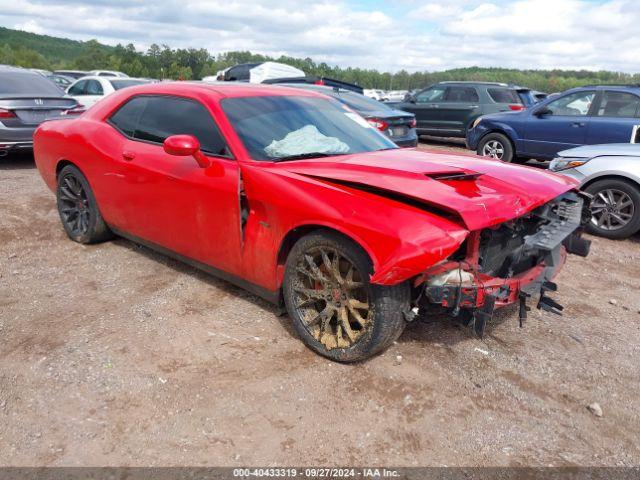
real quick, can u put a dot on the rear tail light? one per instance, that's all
(319, 82)
(77, 110)
(413, 123)
(6, 113)
(378, 124)
(516, 107)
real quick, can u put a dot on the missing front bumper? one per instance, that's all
(473, 287)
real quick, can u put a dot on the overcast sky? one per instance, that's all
(388, 35)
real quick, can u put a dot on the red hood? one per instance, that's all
(492, 193)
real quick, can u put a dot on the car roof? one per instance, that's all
(108, 79)
(621, 87)
(11, 68)
(472, 82)
(318, 88)
(220, 90)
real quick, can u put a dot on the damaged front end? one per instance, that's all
(506, 264)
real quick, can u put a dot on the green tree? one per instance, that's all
(93, 58)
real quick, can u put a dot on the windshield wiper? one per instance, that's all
(301, 156)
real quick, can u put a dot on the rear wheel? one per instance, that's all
(335, 309)
(615, 210)
(496, 145)
(78, 208)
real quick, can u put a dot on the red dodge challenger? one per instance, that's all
(296, 198)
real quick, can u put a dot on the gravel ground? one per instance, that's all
(114, 355)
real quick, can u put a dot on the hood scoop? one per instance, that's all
(458, 176)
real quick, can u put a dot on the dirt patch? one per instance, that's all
(114, 355)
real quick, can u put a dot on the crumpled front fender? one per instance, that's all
(412, 258)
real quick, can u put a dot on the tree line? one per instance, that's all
(163, 62)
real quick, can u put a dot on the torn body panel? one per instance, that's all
(507, 263)
(401, 239)
(476, 190)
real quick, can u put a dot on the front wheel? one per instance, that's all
(615, 209)
(496, 145)
(335, 309)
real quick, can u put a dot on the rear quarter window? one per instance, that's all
(127, 116)
(503, 95)
(619, 104)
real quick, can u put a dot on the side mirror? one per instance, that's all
(185, 146)
(541, 112)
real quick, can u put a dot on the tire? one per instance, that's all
(615, 208)
(78, 208)
(497, 146)
(311, 291)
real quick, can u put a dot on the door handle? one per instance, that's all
(578, 124)
(128, 156)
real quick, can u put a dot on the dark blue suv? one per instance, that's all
(580, 116)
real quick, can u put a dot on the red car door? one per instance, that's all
(169, 200)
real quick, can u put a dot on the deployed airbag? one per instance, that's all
(305, 140)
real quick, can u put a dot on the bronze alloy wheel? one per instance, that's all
(330, 297)
(335, 308)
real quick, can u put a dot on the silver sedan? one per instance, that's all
(611, 173)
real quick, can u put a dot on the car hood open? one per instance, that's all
(480, 192)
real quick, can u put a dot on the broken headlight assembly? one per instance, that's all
(506, 264)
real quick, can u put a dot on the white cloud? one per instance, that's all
(413, 35)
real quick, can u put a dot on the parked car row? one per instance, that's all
(591, 134)
(498, 121)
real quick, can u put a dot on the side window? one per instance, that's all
(166, 116)
(619, 104)
(126, 117)
(461, 94)
(94, 87)
(434, 94)
(78, 88)
(574, 105)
